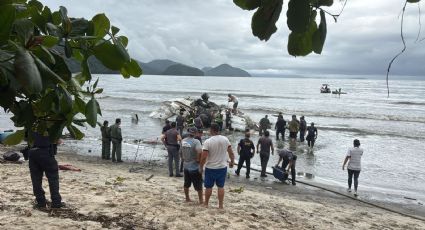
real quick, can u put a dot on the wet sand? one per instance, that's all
(107, 195)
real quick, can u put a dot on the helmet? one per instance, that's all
(205, 96)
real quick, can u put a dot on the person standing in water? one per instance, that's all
(264, 146)
(303, 128)
(246, 151)
(311, 135)
(353, 157)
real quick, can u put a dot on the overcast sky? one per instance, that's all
(208, 33)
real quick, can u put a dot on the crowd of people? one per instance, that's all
(206, 164)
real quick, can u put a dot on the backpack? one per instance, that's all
(11, 156)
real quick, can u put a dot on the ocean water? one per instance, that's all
(391, 130)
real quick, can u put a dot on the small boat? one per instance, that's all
(338, 92)
(325, 88)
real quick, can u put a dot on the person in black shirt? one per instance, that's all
(166, 127)
(180, 122)
(311, 135)
(246, 151)
(280, 127)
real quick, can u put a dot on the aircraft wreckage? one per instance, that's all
(205, 109)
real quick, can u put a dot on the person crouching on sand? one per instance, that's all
(216, 151)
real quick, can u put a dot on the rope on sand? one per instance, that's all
(353, 198)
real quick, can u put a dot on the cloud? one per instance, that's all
(208, 33)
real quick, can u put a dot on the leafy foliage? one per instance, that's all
(305, 36)
(36, 85)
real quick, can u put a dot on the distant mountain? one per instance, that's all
(183, 70)
(160, 65)
(205, 69)
(227, 70)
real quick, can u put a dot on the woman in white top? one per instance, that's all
(354, 156)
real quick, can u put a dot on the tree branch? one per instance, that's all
(402, 51)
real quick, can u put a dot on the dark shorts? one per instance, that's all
(293, 134)
(192, 177)
(217, 176)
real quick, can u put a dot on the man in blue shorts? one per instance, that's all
(216, 151)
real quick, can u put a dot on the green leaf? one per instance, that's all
(38, 20)
(123, 40)
(44, 54)
(95, 83)
(132, 68)
(7, 16)
(27, 72)
(248, 4)
(66, 23)
(53, 30)
(265, 18)
(56, 18)
(36, 4)
(47, 14)
(91, 112)
(319, 3)
(301, 44)
(298, 15)
(47, 74)
(85, 70)
(114, 30)
(98, 91)
(319, 36)
(413, 1)
(110, 55)
(15, 138)
(24, 29)
(80, 27)
(65, 100)
(68, 49)
(79, 105)
(75, 132)
(55, 130)
(50, 41)
(61, 68)
(101, 25)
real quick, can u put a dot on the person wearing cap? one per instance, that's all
(246, 151)
(288, 159)
(234, 99)
(116, 138)
(353, 157)
(303, 128)
(190, 152)
(311, 135)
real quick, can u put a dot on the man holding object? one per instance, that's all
(216, 151)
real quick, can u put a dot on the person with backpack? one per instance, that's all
(190, 152)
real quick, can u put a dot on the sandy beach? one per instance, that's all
(107, 196)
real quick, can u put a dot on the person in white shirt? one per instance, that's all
(216, 152)
(353, 157)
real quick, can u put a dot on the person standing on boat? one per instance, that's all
(264, 145)
(353, 157)
(311, 135)
(264, 124)
(303, 128)
(234, 99)
(106, 141)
